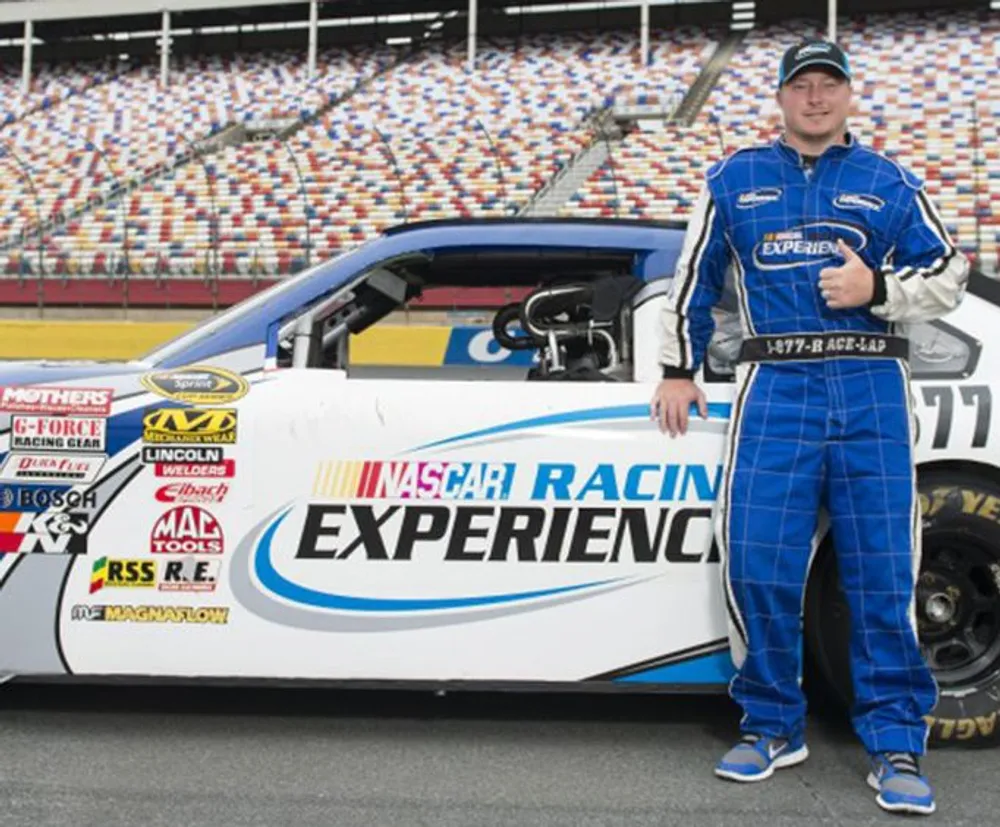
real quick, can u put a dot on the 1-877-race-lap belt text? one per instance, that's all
(797, 346)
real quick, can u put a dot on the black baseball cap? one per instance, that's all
(810, 54)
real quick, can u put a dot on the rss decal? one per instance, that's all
(197, 385)
(204, 615)
(173, 575)
(189, 425)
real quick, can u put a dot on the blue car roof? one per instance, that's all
(246, 324)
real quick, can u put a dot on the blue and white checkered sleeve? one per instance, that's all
(927, 275)
(686, 322)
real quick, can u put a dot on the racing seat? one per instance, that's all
(579, 328)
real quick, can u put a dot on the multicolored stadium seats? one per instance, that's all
(142, 130)
(425, 140)
(418, 137)
(918, 78)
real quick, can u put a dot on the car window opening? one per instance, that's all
(574, 311)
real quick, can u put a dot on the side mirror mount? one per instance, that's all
(304, 342)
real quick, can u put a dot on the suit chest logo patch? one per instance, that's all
(757, 198)
(857, 201)
(806, 244)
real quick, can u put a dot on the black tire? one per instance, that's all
(958, 609)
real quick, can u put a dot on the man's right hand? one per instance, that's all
(671, 403)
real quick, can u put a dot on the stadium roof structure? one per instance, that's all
(254, 11)
(21, 10)
(137, 29)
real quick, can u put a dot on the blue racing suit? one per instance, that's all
(821, 421)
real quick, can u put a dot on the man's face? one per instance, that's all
(815, 104)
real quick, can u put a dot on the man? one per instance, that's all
(832, 245)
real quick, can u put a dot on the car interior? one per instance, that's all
(574, 311)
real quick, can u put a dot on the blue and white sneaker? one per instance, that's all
(900, 786)
(756, 757)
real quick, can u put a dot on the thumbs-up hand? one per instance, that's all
(850, 285)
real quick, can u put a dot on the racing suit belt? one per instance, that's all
(799, 346)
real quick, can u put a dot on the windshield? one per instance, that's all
(220, 321)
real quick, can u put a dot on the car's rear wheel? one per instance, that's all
(957, 607)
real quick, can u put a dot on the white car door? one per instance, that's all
(482, 530)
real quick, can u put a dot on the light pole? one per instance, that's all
(498, 165)
(399, 175)
(26, 172)
(306, 207)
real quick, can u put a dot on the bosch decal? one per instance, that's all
(49, 467)
(186, 529)
(40, 498)
(806, 244)
(197, 385)
(49, 400)
(189, 425)
(56, 532)
(58, 433)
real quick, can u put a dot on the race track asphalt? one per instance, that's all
(241, 757)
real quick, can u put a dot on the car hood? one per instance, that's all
(43, 372)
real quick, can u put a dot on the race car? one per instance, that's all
(246, 503)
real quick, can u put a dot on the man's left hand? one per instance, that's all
(850, 285)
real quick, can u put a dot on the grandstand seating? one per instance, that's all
(428, 119)
(421, 138)
(141, 128)
(50, 84)
(918, 77)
